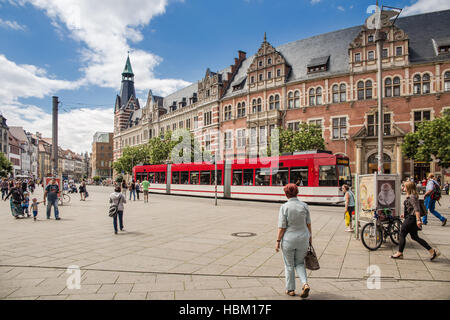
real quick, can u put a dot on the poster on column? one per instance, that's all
(366, 196)
(386, 193)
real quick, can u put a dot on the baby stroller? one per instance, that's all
(73, 189)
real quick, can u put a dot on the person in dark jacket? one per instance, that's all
(16, 195)
(412, 223)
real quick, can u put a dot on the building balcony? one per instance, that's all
(264, 115)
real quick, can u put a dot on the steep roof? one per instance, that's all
(18, 133)
(128, 70)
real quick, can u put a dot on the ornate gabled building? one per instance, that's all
(329, 80)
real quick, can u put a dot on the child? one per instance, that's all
(26, 203)
(34, 207)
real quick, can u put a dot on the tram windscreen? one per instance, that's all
(345, 176)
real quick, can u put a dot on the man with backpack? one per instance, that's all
(433, 194)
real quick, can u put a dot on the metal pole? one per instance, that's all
(379, 38)
(55, 136)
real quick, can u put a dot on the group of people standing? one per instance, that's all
(135, 188)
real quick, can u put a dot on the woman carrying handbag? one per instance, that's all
(117, 199)
(294, 238)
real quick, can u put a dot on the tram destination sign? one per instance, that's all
(342, 161)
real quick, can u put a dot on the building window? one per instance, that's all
(241, 138)
(241, 109)
(339, 93)
(278, 72)
(371, 55)
(188, 124)
(252, 79)
(277, 102)
(269, 61)
(228, 140)
(195, 122)
(271, 103)
(261, 77)
(207, 118)
(254, 105)
(260, 63)
(370, 38)
(399, 51)
(262, 135)
(339, 128)
(207, 142)
(174, 126)
(421, 116)
(372, 124)
(227, 113)
(317, 123)
(258, 106)
(421, 84)
(364, 90)
(312, 98)
(253, 136)
(357, 57)
(269, 75)
(447, 81)
(181, 124)
(294, 126)
(384, 53)
(392, 87)
(319, 96)
(274, 102)
(290, 100)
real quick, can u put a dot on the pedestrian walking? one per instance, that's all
(145, 186)
(412, 223)
(294, 237)
(26, 203)
(138, 189)
(82, 189)
(132, 189)
(34, 208)
(349, 205)
(4, 186)
(124, 188)
(118, 199)
(433, 194)
(51, 197)
(15, 192)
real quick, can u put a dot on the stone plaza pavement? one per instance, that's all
(182, 248)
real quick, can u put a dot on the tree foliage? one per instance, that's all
(431, 140)
(309, 137)
(5, 165)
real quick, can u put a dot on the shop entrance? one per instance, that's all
(421, 170)
(372, 163)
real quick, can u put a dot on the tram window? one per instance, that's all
(156, 177)
(262, 177)
(205, 177)
(151, 177)
(176, 177)
(194, 177)
(219, 177)
(280, 178)
(237, 177)
(162, 177)
(327, 176)
(248, 177)
(184, 177)
(344, 175)
(141, 176)
(299, 176)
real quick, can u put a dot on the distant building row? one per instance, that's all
(31, 154)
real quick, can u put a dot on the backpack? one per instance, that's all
(436, 193)
(114, 208)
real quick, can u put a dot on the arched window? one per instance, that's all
(360, 87)
(417, 79)
(227, 112)
(290, 100)
(312, 99)
(396, 87)
(318, 96)
(271, 103)
(241, 109)
(343, 92)
(388, 87)
(447, 81)
(277, 102)
(364, 90)
(254, 105)
(335, 90)
(297, 99)
(426, 83)
(368, 89)
(269, 61)
(259, 105)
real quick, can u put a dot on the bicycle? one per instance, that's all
(64, 198)
(386, 225)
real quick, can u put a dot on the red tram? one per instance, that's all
(319, 175)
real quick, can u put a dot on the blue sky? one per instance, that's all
(76, 49)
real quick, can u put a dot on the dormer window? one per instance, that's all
(444, 49)
(318, 64)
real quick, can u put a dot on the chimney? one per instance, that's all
(242, 55)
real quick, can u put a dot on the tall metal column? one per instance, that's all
(380, 36)
(55, 136)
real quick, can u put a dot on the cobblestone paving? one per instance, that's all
(182, 248)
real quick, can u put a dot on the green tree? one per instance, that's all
(5, 165)
(131, 156)
(431, 140)
(96, 178)
(309, 137)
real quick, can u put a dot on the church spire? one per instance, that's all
(128, 71)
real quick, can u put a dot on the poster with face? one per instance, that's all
(386, 193)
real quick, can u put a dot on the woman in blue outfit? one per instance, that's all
(294, 237)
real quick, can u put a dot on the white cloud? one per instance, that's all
(107, 29)
(76, 127)
(341, 8)
(315, 1)
(14, 25)
(423, 6)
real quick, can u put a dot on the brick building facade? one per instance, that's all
(329, 80)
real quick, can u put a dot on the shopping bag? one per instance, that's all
(311, 261)
(347, 218)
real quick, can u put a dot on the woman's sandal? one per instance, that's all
(397, 257)
(305, 291)
(436, 253)
(290, 293)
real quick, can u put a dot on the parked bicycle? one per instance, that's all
(386, 225)
(64, 198)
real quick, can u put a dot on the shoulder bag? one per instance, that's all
(114, 208)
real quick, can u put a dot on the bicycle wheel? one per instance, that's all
(66, 198)
(395, 231)
(371, 239)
